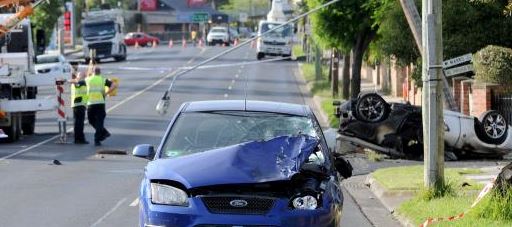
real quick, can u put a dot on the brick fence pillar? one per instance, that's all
(465, 96)
(482, 98)
(457, 91)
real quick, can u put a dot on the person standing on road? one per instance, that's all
(78, 102)
(96, 113)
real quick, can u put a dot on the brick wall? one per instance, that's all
(482, 96)
(465, 96)
(456, 91)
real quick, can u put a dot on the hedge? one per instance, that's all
(493, 64)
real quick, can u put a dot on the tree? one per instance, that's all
(468, 26)
(347, 25)
(46, 15)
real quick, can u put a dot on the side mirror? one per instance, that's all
(144, 151)
(330, 138)
(342, 166)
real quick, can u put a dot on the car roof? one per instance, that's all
(239, 105)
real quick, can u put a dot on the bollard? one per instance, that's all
(61, 114)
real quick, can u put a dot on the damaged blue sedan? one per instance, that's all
(242, 163)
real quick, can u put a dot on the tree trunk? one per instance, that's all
(330, 65)
(318, 65)
(335, 63)
(346, 76)
(362, 42)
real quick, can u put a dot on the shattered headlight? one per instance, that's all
(307, 202)
(168, 195)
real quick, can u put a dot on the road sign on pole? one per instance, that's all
(458, 60)
(458, 70)
(200, 17)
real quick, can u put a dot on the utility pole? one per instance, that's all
(433, 126)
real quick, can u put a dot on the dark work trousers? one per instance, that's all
(96, 114)
(79, 117)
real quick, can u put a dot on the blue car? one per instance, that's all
(242, 163)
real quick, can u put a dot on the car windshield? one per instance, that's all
(201, 131)
(281, 32)
(98, 29)
(47, 59)
(218, 30)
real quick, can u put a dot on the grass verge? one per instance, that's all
(411, 177)
(322, 89)
(492, 211)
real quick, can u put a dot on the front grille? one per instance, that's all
(274, 43)
(223, 204)
(101, 48)
(43, 70)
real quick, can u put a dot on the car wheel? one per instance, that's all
(494, 127)
(371, 108)
(260, 56)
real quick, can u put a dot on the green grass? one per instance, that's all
(496, 206)
(297, 50)
(411, 177)
(328, 108)
(418, 210)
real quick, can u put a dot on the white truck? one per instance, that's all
(103, 31)
(19, 82)
(278, 42)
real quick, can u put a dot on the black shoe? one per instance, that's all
(97, 143)
(81, 142)
(105, 136)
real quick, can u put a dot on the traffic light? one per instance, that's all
(67, 21)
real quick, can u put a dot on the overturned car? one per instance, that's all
(396, 129)
(236, 163)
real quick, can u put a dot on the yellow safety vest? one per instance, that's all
(78, 95)
(95, 89)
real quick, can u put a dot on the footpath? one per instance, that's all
(376, 202)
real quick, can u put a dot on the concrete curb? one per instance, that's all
(388, 197)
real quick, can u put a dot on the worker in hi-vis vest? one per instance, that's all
(78, 103)
(96, 94)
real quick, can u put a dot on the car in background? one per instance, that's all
(52, 62)
(218, 35)
(396, 128)
(242, 163)
(141, 38)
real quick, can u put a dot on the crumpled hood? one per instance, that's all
(252, 162)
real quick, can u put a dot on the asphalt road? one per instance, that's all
(101, 190)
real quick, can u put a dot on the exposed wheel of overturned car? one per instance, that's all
(494, 127)
(371, 108)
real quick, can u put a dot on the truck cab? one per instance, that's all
(103, 32)
(275, 43)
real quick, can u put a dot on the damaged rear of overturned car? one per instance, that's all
(254, 166)
(396, 129)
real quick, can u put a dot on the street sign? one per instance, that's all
(458, 70)
(200, 17)
(243, 17)
(457, 60)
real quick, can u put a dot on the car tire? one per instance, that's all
(260, 56)
(371, 108)
(493, 127)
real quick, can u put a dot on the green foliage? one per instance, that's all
(496, 206)
(493, 64)
(45, 16)
(328, 108)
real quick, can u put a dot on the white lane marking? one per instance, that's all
(230, 87)
(236, 76)
(226, 95)
(135, 202)
(239, 71)
(242, 67)
(108, 111)
(233, 81)
(109, 212)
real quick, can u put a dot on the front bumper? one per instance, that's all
(274, 49)
(197, 215)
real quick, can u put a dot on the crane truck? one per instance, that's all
(18, 80)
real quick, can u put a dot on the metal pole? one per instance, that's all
(433, 127)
